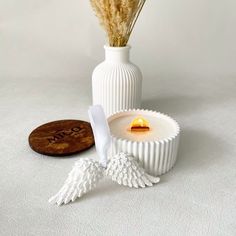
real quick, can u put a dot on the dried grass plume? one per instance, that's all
(118, 18)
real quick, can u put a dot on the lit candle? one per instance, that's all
(156, 125)
(149, 136)
(139, 124)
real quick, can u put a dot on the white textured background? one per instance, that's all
(187, 52)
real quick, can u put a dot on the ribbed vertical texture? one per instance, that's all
(156, 158)
(117, 86)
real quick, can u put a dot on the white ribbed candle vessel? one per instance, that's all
(116, 82)
(155, 150)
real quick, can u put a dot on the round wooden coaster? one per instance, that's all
(62, 137)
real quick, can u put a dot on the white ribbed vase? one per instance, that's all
(116, 82)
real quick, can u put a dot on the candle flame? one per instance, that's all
(140, 124)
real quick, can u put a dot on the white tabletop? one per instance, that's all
(45, 75)
(197, 197)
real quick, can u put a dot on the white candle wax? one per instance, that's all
(155, 149)
(161, 127)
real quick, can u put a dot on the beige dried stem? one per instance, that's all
(118, 18)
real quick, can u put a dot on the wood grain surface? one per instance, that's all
(62, 137)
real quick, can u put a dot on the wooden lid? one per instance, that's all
(62, 137)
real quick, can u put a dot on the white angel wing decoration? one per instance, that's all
(84, 176)
(86, 173)
(123, 169)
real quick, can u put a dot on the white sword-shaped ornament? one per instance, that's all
(86, 173)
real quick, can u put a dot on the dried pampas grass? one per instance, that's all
(118, 18)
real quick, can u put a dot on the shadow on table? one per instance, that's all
(198, 148)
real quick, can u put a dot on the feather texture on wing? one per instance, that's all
(123, 169)
(83, 177)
